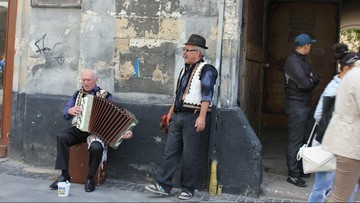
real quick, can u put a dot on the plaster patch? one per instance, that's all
(89, 16)
(167, 12)
(231, 21)
(168, 6)
(88, 12)
(170, 15)
(159, 76)
(122, 13)
(150, 34)
(100, 65)
(123, 29)
(149, 43)
(20, 44)
(67, 31)
(125, 71)
(32, 61)
(112, 13)
(122, 44)
(70, 59)
(170, 28)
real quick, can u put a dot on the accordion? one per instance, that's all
(105, 119)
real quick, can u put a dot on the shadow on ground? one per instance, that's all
(274, 184)
(273, 140)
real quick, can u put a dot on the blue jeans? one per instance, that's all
(322, 187)
(323, 184)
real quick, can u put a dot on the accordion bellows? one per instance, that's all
(106, 119)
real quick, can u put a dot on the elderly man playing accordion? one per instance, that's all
(73, 135)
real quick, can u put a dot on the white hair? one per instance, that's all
(202, 51)
(94, 72)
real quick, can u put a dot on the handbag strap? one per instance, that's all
(312, 133)
(299, 154)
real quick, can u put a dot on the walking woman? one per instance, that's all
(342, 136)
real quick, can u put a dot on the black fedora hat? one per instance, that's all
(197, 40)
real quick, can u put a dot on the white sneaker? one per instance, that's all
(185, 195)
(156, 188)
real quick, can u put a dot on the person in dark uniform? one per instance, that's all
(300, 81)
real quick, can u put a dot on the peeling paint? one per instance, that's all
(122, 44)
(231, 22)
(149, 43)
(100, 65)
(170, 28)
(20, 44)
(89, 16)
(88, 12)
(159, 76)
(32, 61)
(123, 29)
(112, 13)
(170, 15)
(149, 33)
(125, 72)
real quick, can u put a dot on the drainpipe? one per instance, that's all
(212, 139)
(8, 77)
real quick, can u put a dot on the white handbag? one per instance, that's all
(315, 159)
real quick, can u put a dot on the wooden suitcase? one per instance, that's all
(79, 165)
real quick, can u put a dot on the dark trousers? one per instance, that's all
(183, 140)
(73, 136)
(300, 122)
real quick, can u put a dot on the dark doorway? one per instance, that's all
(286, 19)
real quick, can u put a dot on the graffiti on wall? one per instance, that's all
(57, 51)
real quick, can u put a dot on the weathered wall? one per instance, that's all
(136, 47)
(238, 151)
(118, 37)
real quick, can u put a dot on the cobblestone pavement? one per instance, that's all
(18, 170)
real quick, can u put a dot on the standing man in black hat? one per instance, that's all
(300, 81)
(190, 120)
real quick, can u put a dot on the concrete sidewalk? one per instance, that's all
(23, 183)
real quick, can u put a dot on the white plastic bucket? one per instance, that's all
(63, 188)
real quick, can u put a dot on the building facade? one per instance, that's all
(136, 48)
